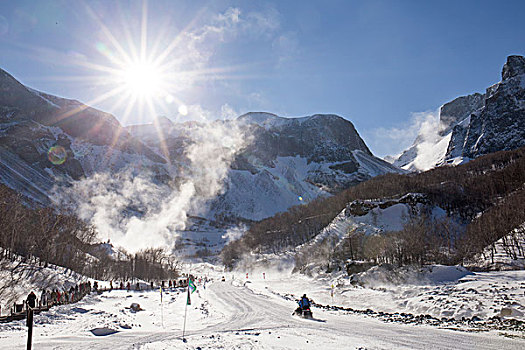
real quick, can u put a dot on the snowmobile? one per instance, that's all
(304, 312)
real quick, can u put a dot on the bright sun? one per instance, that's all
(142, 79)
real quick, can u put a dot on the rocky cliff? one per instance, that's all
(474, 125)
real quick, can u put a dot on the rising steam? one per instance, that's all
(135, 212)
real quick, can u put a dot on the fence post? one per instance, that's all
(29, 326)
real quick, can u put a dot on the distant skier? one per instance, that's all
(31, 300)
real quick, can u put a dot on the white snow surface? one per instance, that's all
(424, 155)
(255, 313)
(376, 221)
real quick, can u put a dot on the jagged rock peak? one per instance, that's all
(458, 109)
(515, 66)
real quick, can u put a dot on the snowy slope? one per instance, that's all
(247, 314)
(18, 278)
(375, 217)
(423, 156)
(284, 161)
(507, 253)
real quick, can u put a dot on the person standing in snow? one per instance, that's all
(49, 299)
(43, 298)
(31, 300)
(53, 297)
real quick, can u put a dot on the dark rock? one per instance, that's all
(458, 109)
(515, 66)
(500, 123)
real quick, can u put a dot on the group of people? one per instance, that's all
(56, 296)
(183, 282)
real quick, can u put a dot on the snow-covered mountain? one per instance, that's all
(289, 161)
(474, 125)
(48, 141)
(45, 140)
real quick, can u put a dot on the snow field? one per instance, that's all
(255, 313)
(440, 291)
(235, 314)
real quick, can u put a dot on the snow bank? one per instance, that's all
(409, 275)
(439, 291)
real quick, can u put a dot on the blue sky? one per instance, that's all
(376, 63)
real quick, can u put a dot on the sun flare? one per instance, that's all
(142, 79)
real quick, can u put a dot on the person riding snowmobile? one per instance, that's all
(304, 303)
(304, 307)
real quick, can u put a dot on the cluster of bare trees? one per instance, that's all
(421, 241)
(463, 191)
(40, 234)
(494, 223)
(44, 236)
(149, 264)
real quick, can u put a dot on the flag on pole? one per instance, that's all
(188, 301)
(191, 285)
(161, 295)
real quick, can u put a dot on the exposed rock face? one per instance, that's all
(321, 137)
(500, 124)
(477, 124)
(515, 66)
(457, 110)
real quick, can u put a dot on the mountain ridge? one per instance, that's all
(475, 124)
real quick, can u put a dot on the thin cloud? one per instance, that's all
(392, 141)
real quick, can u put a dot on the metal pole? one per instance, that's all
(29, 326)
(186, 307)
(161, 309)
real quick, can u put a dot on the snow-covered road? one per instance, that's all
(226, 315)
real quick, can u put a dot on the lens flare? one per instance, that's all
(183, 110)
(57, 155)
